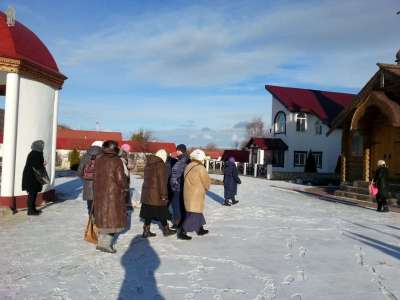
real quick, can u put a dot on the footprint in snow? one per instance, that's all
(288, 256)
(302, 251)
(300, 274)
(296, 296)
(288, 279)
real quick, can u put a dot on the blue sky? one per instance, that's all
(191, 71)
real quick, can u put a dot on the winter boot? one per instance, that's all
(168, 231)
(104, 243)
(183, 236)
(226, 202)
(146, 232)
(234, 201)
(202, 231)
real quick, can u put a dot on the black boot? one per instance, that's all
(183, 236)
(202, 231)
(226, 202)
(31, 206)
(168, 231)
(234, 201)
(146, 232)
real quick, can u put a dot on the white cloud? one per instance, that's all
(335, 43)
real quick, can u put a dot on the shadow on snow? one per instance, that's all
(217, 198)
(140, 262)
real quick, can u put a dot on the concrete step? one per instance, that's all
(361, 184)
(353, 195)
(354, 189)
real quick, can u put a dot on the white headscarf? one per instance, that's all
(198, 155)
(162, 154)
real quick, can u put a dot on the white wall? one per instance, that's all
(330, 146)
(35, 122)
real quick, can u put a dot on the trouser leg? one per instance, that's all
(89, 204)
(32, 202)
(176, 207)
(379, 203)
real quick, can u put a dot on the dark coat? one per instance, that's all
(110, 187)
(88, 184)
(176, 178)
(231, 180)
(29, 182)
(154, 188)
(380, 179)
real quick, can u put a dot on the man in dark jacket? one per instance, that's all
(92, 153)
(380, 179)
(34, 164)
(231, 180)
(176, 185)
(110, 187)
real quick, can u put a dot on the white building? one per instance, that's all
(300, 119)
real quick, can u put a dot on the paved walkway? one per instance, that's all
(275, 244)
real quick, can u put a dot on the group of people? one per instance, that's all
(176, 184)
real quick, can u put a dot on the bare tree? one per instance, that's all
(142, 136)
(63, 126)
(256, 128)
(211, 146)
(236, 144)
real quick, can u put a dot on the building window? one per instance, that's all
(318, 159)
(318, 128)
(301, 122)
(278, 158)
(300, 158)
(357, 144)
(280, 123)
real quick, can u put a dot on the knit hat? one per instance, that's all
(181, 147)
(98, 143)
(162, 154)
(198, 155)
(126, 148)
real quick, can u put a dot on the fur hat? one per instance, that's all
(182, 148)
(198, 155)
(126, 148)
(98, 143)
(381, 163)
(162, 154)
(38, 146)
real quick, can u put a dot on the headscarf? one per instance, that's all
(381, 163)
(198, 155)
(38, 146)
(232, 159)
(162, 154)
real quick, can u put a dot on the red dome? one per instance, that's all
(18, 42)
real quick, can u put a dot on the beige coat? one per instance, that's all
(197, 183)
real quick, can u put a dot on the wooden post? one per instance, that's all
(367, 158)
(343, 169)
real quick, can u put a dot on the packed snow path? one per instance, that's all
(275, 244)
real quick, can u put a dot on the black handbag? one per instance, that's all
(41, 175)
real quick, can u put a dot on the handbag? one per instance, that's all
(373, 190)
(41, 175)
(91, 232)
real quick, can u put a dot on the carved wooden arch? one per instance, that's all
(387, 107)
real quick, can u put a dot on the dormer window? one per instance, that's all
(280, 123)
(318, 128)
(301, 122)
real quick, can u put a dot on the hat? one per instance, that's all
(126, 148)
(97, 143)
(381, 163)
(198, 155)
(162, 154)
(182, 148)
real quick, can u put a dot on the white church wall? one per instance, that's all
(35, 116)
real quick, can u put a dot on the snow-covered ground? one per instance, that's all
(275, 244)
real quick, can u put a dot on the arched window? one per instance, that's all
(318, 128)
(280, 123)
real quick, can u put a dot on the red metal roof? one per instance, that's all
(214, 153)
(18, 42)
(71, 143)
(239, 155)
(325, 105)
(89, 135)
(267, 144)
(149, 147)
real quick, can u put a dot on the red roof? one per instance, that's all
(267, 144)
(18, 42)
(239, 155)
(325, 105)
(89, 135)
(71, 143)
(214, 153)
(149, 147)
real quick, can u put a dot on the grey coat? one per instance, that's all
(88, 184)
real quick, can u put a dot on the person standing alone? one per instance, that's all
(231, 180)
(380, 179)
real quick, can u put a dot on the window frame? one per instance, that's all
(301, 117)
(294, 158)
(321, 156)
(275, 119)
(318, 127)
